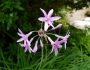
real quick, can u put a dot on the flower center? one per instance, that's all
(55, 45)
(47, 19)
(25, 37)
(41, 32)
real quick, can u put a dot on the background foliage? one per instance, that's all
(23, 14)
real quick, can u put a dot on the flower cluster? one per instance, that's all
(44, 33)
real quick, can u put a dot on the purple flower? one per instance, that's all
(55, 45)
(48, 19)
(24, 37)
(35, 47)
(58, 26)
(64, 40)
(27, 46)
(43, 33)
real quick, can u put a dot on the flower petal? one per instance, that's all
(28, 43)
(21, 39)
(25, 41)
(59, 46)
(29, 46)
(30, 49)
(31, 40)
(54, 18)
(42, 19)
(58, 26)
(46, 26)
(45, 14)
(50, 40)
(20, 31)
(25, 49)
(61, 37)
(35, 47)
(50, 23)
(20, 34)
(29, 34)
(22, 45)
(56, 51)
(41, 44)
(57, 40)
(65, 39)
(50, 13)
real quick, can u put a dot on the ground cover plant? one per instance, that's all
(23, 15)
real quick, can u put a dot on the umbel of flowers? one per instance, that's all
(48, 22)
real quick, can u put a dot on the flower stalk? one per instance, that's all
(48, 21)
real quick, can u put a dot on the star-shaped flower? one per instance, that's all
(47, 19)
(27, 46)
(24, 37)
(43, 32)
(64, 40)
(55, 45)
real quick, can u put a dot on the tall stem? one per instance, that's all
(41, 59)
(46, 53)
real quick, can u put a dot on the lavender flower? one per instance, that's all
(44, 33)
(48, 19)
(55, 45)
(24, 37)
(27, 46)
(65, 39)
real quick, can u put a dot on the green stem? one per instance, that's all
(81, 53)
(4, 60)
(9, 35)
(41, 59)
(46, 53)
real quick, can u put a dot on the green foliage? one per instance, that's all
(80, 38)
(71, 59)
(8, 13)
(24, 14)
